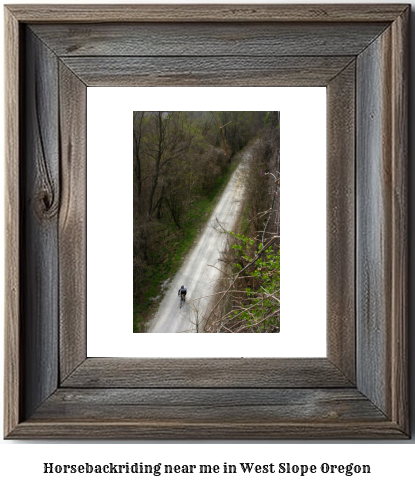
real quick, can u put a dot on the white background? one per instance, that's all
(392, 463)
(303, 222)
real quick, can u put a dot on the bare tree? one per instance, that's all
(250, 288)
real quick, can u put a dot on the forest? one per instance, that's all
(182, 162)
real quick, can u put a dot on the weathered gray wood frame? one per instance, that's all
(359, 52)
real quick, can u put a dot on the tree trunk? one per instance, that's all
(157, 168)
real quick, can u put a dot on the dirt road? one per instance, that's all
(195, 274)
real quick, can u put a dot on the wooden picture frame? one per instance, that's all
(360, 53)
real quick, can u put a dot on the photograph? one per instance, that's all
(206, 196)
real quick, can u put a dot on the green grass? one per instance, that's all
(174, 245)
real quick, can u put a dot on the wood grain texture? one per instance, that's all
(206, 373)
(210, 431)
(373, 222)
(244, 427)
(341, 237)
(166, 430)
(40, 205)
(382, 223)
(72, 222)
(237, 39)
(400, 263)
(211, 405)
(206, 71)
(13, 382)
(206, 13)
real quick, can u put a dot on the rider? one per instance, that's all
(182, 291)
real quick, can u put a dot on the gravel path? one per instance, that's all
(195, 274)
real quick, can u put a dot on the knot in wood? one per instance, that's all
(46, 206)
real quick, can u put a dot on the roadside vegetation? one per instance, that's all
(181, 163)
(249, 291)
